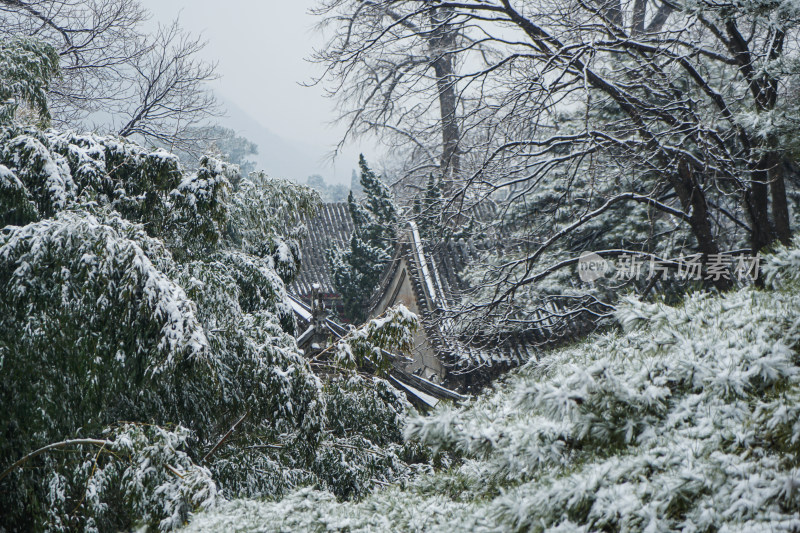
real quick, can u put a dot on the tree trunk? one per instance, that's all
(780, 205)
(693, 200)
(757, 205)
(637, 21)
(442, 43)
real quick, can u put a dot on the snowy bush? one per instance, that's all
(140, 475)
(259, 368)
(15, 206)
(68, 284)
(365, 449)
(201, 201)
(146, 349)
(686, 420)
(62, 169)
(26, 68)
(91, 332)
(100, 323)
(266, 220)
(368, 344)
(130, 291)
(360, 447)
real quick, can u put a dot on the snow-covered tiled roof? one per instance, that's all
(434, 267)
(331, 227)
(422, 390)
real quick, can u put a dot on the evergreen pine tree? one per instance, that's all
(356, 270)
(355, 185)
(427, 208)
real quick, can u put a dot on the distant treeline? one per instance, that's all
(334, 192)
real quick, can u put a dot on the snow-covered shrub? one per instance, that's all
(368, 344)
(201, 204)
(260, 287)
(364, 446)
(127, 297)
(137, 300)
(360, 449)
(26, 68)
(685, 421)
(61, 169)
(267, 220)
(45, 174)
(93, 332)
(349, 443)
(369, 407)
(140, 475)
(259, 365)
(85, 310)
(15, 206)
(784, 265)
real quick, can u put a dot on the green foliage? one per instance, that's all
(68, 367)
(63, 169)
(15, 206)
(356, 270)
(370, 408)
(141, 475)
(364, 448)
(267, 220)
(146, 333)
(132, 291)
(378, 217)
(686, 420)
(201, 201)
(45, 175)
(26, 68)
(360, 449)
(428, 209)
(367, 346)
(130, 295)
(259, 367)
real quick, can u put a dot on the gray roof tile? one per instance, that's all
(330, 228)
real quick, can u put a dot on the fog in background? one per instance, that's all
(261, 49)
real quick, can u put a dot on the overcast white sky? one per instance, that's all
(261, 47)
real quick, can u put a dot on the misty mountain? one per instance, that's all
(277, 156)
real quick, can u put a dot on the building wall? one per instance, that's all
(426, 363)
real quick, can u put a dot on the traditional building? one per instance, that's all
(423, 276)
(319, 331)
(314, 299)
(330, 228)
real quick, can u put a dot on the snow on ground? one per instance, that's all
(687, 420)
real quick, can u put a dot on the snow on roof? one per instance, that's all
(299, 308)
(330, 228)
(339, 331)
(307, 334)
(425, 398)
(423, 263)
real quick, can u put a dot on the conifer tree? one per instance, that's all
(356, 270)
(427, 208)
(355, 185)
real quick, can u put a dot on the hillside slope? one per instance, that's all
(687, 420)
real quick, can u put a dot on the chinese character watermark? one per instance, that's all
(627, 267)
(592, 267)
